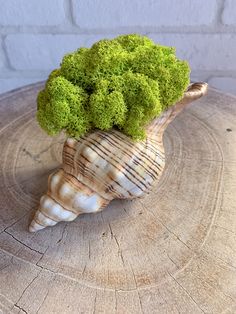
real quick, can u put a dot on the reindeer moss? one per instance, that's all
(124, 83)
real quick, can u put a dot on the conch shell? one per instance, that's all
(102, 166)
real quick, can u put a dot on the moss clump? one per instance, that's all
(124, 82)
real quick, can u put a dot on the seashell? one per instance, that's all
(103, 166)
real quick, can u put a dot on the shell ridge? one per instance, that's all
(114, 165)
(46, 215)
(80, 167)
(141, 162)
(86, 178)
(129, 179)
(87, 183)
(140, 147)
(143, 144)
(127, 182)
(131, 171)
(155, 150)
(63, 207)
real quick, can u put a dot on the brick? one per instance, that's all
(31, 12)
(229, 13)
(44, 52)
(203, 51)
(7, 84)
(93, 14)
(227, 84)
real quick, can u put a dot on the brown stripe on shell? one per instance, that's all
(157, 126)
(39, 223)
(155, 150)
(140, 150)
(112, 156)
(46, 214)
(142, 143)
(109, 138)
(117, 167)
(87, 172)
(63, 207)
(92, 174)
(151, 172)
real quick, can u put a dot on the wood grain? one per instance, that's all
(172, 252)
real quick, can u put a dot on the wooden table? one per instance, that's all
(172, 252)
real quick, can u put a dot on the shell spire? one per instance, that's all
(157, 127)
(102, 166)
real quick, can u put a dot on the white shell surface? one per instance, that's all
(89, 204)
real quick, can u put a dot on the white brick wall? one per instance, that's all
(133, 13)
(34, 35)
(43, 51)
(33, 12)
(229, 13)
(2, 55)
(205, 52)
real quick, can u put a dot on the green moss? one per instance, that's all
(60, 104)
(107, 106)
(124, 82)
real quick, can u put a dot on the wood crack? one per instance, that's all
(119, 250)
(136, 285)
(168, 229)
(118, 245)
(33, 157)
(95, 300)
(30, 248)
(45, 295)
(16, 304)
(15, 222)
(21, 308)
(62, 234)
(186, 292)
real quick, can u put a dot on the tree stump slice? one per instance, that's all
(172, 252)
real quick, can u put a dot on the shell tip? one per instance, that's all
(34, 226)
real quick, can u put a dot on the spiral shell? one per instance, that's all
(102, 166)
